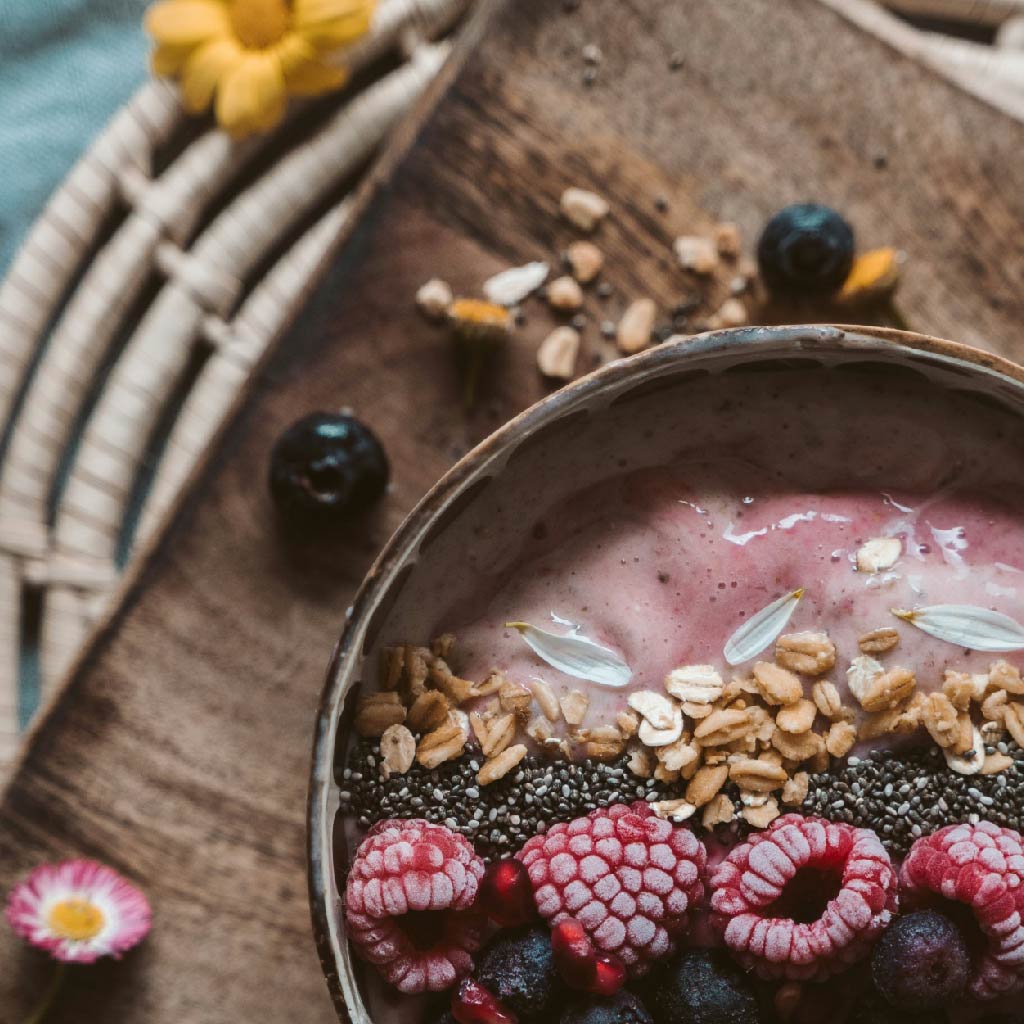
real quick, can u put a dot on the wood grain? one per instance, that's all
(179, 750)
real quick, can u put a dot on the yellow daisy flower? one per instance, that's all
(248, 56)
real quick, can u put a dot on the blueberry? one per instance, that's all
(518, 968)
(621, 1008)
(325, 467)
(700, 986)
(806, 248)
(921, 962)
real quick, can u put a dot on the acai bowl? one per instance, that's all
(693, 694)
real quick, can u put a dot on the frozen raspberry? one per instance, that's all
(407, 904)
(629, 878)
(973, 873)
(921, 962)
(803, 899)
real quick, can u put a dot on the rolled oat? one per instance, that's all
(777, 685)
(706, 783)
(398, 749)
(500, 766)
(808, 653)
(798, 717)
(878, 641)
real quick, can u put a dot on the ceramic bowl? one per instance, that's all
(414, 559)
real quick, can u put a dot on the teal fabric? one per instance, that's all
(65, 68)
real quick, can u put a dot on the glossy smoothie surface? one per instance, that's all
(663, 563)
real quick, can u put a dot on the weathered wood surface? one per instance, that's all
(179, 750)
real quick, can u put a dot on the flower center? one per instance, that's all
(259, 23)
(78, 920)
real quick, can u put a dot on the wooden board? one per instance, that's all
(179, 750)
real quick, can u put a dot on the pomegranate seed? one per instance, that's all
(609, 975)
(473, 1004)
(574, 955)
(506, 894)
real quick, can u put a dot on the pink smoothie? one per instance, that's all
(710, 507)
(663, 566)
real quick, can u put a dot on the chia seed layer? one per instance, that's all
(905, 795)
(901, 796)
(497, 819)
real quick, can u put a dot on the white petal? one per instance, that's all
(510, 287)
(576, 656)
(967, 625)
(761, 629)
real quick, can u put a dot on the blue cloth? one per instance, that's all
(65, 68)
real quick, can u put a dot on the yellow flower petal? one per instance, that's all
(167, 61)
(205, 69)
(251, 98)
(329, 24)
(874, 273)
(186, 22)
(306, 73)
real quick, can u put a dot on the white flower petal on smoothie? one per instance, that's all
(967, 625)
(575, 655)
(761, 629)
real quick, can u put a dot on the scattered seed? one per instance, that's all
(583, 208)
(696, 253)
(565, 295)
(634, 331)
(434, 299)
(556, 357)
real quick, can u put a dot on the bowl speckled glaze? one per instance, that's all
(951, 365)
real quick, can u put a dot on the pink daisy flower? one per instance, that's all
(78, 911)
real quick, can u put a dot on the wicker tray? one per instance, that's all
(137, 308)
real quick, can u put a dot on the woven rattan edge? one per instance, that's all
(130, 585)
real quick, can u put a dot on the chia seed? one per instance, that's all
(499, 818)
(900, 795)
(871, 792)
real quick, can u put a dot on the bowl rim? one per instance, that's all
(746, 344)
